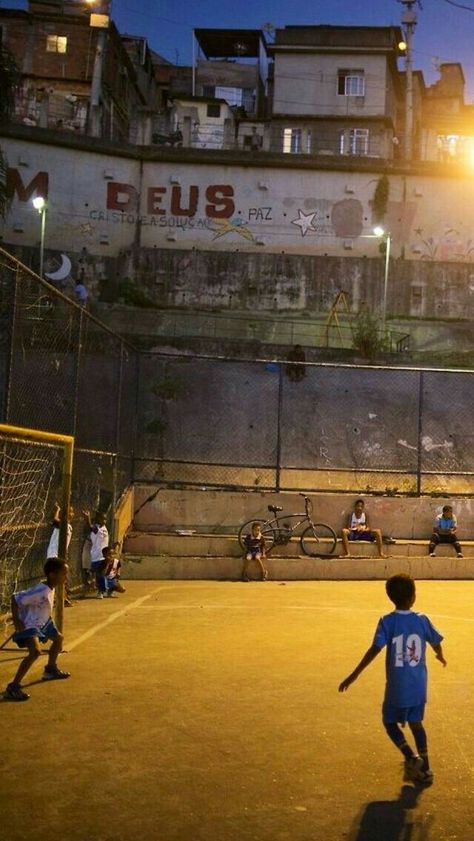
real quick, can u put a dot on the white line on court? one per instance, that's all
(262, 607)
(95, 628)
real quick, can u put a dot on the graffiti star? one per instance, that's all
(304, 222)
(231, 226)
(87, 228)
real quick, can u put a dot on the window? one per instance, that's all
(213, 110)
(292, 140)
(354, 142)
(56, 43)
(350, 83)
(233, 96)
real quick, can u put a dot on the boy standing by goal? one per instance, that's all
(99, 539)
(53, 546)
(405, 633)
(31, 611)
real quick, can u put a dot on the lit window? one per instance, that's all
(56, 44)
(292, 140)
(354, 142)
(351, 83)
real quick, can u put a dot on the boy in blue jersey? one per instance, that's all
(444, 531)
(405, 633)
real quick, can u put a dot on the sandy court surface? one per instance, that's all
(209, 711)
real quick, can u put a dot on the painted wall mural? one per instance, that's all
(94, 203)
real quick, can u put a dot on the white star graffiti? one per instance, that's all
(304, 222)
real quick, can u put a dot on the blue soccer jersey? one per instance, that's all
(405, 634)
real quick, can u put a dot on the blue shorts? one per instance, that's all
(401, 715)
(361, 535)
(48, 632)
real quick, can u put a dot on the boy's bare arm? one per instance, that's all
(439, 654)
(369, 655)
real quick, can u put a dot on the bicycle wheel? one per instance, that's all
(267, 533)
(318, 539)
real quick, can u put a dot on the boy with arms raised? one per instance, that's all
(405, 633)
(31, 611)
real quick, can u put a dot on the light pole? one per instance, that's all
(40, 204)
(380, 232)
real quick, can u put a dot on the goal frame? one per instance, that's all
(66, 442)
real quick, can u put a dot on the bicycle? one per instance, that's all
(317, 540)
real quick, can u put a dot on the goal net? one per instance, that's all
(34, 474)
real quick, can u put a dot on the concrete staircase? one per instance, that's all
(167, 555)
(210, 550)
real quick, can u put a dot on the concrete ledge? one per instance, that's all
(219, 545)
(295, 569)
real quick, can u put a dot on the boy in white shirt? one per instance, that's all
(31, 611)
(53, 545)
(99, 538)
(358, 528)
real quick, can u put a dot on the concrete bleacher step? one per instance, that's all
(165, 555)
(225, 568)
(226, 545)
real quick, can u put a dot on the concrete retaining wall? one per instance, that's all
(222, 512)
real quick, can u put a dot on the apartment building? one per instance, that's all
(336, 90)
(76, 74)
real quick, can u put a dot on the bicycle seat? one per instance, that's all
(275, 508)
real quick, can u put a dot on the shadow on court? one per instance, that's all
(393, 820)
(208, 711)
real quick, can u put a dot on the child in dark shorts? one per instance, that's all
(358, 528)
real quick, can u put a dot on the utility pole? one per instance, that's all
(409, 22)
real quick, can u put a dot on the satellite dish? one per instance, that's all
(64, 269)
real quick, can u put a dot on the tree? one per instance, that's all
(8, 82)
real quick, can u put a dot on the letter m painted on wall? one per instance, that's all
(39, 185)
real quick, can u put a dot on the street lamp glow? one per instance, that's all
(39, 203)
(381, 232)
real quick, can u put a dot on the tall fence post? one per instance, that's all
(134, 431)
(11, 337)
(76, 374)
(419, 465)
(278, 441)
(118, 414)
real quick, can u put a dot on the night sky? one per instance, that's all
(443, 33)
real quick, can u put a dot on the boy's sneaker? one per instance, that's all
(53, 673)
(424, 777)
(412, 768)
(111, 595)
(14, 692)
(460, 555)
(432, 554)
(100, 596)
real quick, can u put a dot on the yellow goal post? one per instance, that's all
(17, 467)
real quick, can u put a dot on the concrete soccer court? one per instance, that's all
(209, 711)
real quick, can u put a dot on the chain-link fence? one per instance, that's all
(318, 427)
(63, 371)
(214, 422)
